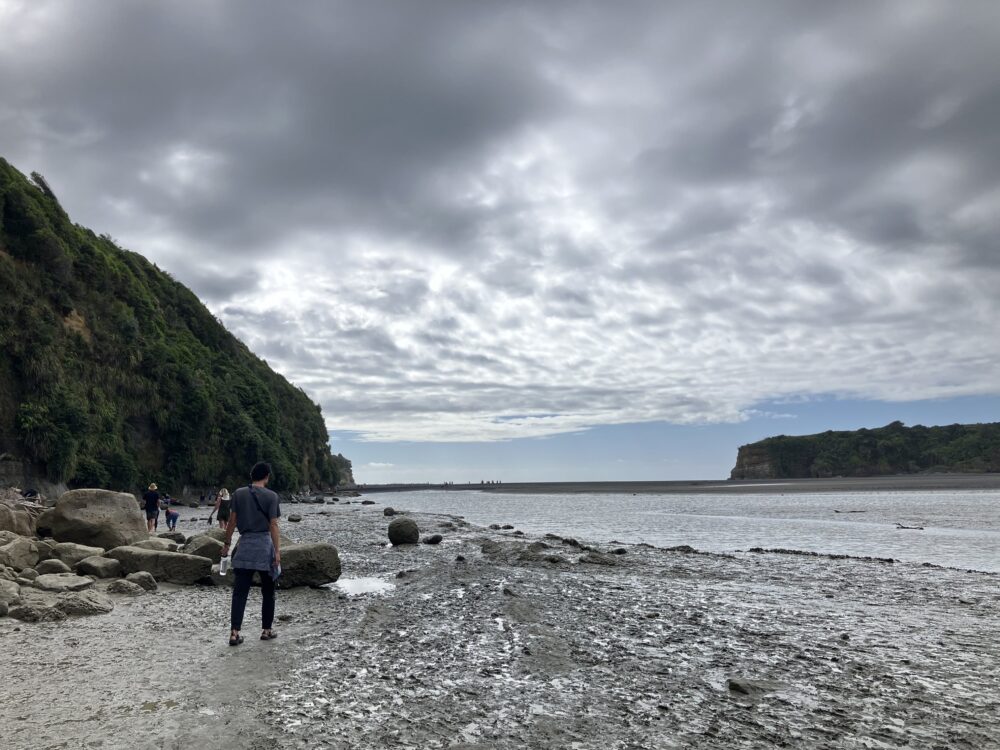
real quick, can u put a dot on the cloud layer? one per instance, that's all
(472, 221)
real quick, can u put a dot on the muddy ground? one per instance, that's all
(509, 649)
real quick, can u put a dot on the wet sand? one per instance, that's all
(522, 646)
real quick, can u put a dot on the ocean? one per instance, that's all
(960, 528)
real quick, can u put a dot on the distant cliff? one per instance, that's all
(113, 374)
(893, 449)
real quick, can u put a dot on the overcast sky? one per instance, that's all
(488, 221)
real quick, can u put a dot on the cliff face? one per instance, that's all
(893, 449)
(114, 375)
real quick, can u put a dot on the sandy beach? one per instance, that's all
(524, 643)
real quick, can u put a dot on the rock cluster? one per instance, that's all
(78, 551)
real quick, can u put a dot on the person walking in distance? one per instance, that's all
(151, 503)
(222, 506)
(254, 510)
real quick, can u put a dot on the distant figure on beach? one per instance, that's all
(151, 502)
(254, 511)
(222, 505)
(171, 516)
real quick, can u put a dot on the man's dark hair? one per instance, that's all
(260, 471)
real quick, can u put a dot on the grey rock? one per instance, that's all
(619, 551)
(388, 511)
(434, 539)
(367, 502)
(294, 518)
(96, 517)
(10, 593)
(19, 554)
(308, 565)
(173, 567)
(29, 574)
(144, 579)
(204, 546)
(403, 531)
(52, 566)
(99, 567)
(71, 553)
(44, 548)
(753, 688)
(596, 558)
(507, 527)
(36, 612)
(173, 536)
(161, 545)
(215, 533)
(84, 603)
(16, 518)
(3, 609)
(126, 588)
(62, 582)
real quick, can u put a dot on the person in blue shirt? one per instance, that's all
(254, 511)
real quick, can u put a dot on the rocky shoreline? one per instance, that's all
(494, 639)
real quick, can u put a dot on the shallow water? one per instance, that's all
(360, 586)
(961, 529)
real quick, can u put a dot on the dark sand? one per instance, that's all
(509, 649)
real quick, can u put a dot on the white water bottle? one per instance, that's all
(224, 565)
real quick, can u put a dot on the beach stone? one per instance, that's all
(221, 580)
(84, 603)
(507, 527)
(403, 531)
(215, 533)
(753, 688)
(173, 567)
(619, 551)
(434, 539)
(161, 545)
(28, 574)
(16, 518)
(144, 579)
(96, 517)
(126, 588)
(570, 541)
(3, 609)
(294, 518)
(495, 526)
(597, 558)
(173, 536)
(308, 565)
(62, 582)
(10, 593)
(37, 612)
(7, 574)
(44, 548)
(71, 553)
(52, 566)
(388, 511)
(19, 554)
(99, 567)
(367, 502)
(204, 546)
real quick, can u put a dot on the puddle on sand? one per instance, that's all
(359, 586)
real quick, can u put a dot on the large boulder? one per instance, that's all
(173, 567)
(308, 565)
(163, 545)
(204, 546)
(16, 518)
(62, 582)
(37, 611)
(19, 554)
(215, 533)
(71, 553)
(173, 536)
(403, 531)
(99, 567)
(52, 566)
(96, 517)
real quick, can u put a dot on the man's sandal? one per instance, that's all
(235, 640)
(268, 635)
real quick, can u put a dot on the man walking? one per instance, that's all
(151, 504)
(255, 512)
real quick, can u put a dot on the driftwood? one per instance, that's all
(915, 528)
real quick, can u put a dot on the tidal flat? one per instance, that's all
(496, 640)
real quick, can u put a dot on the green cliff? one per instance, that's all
(112, 374)
(893, 449)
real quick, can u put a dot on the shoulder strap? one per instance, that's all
(257, 503)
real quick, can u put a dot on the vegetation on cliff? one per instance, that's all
(893, 449)
(112, 374)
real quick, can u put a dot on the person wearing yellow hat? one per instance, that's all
(151, 502)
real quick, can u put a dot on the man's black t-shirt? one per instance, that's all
(250, 518)
(151, 500)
